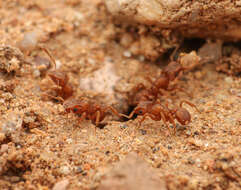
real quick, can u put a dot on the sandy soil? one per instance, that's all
(42, 147)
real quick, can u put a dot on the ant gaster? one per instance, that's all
(156, 111)
(89, 109)
(64, 90)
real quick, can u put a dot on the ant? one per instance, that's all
(156, 111)
(89, 109)
(158, 86)
(64, 90)
(170, 73)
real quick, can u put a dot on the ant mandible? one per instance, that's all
(89, 109)
(156, 111)
(64, 90)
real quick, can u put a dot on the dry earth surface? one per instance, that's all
(42, 147)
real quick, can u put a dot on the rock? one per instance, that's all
(211, 51)
(130, 174)
(191, 18)
(61, 185)
(102, 81)
(2, 137)
(11, 59)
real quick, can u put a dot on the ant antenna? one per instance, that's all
(49, 54)
(190, 104)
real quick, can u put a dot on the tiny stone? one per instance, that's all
(14, 179)
(36, 73)
(229, 80)
(69, 141)
(143, 132)
(190, 161)
(155, 149)
(29, 41)
(169, 147)
(4, 148)
(64, 170)
(123, 126)
(58, 64)
(79, 170)
(196, 133)
(61, 185)
(2, 137)
(188, 132)
(141, 58)
(202, 101)
(127, 54)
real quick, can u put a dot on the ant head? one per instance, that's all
(142, 108)
(162, 82)
(75, 106)
(172, 70)
(59, 78)
(183, 116)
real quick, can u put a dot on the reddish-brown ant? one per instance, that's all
(170, 73)
(89, 109)
(156, 111)
(158, 86)
(63, 90)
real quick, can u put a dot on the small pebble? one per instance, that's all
(127, 54)
(229, 80)
(4, 148)
(2, 137)
(69, 141)
(141, 58)
(196, 133)
(123, 126)
(36, 73)
(64, 170)
(126, 40)
(29, 41)
(61, 185)
(143, 132)
(79, 170)
(155, 149)
(58, 64)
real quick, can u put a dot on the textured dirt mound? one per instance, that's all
(218, 19)
(43, 147)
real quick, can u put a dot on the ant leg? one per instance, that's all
(55, 98)
(190, 104)
(162, 92)
(170, 117)
(49, 54)
(83, 116)
(173, 122)
(174, 53)
(144, 117)
(138, 87)
(114, 111)
(148, 78)
(97, 120)
(131, 114)
(180, 89)
(164, 120)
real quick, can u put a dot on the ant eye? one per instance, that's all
(75, 109)
(140, 112)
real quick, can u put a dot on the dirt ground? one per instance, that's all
(42, 147)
